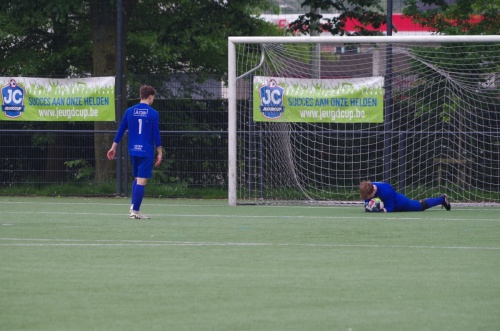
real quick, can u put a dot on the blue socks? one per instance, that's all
(432, 202)
(134, 183)
(137, 195)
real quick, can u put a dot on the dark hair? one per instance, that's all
(145, 91)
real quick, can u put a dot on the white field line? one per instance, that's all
(168, 204)
(101, 243)
(390, 216)
(124, 204)
(232, 216)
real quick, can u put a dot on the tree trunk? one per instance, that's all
(104, 40)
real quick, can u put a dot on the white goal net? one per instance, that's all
(311, 117)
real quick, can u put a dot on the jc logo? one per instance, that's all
(12, 99)
(272, 95)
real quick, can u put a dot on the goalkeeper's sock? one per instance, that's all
(137, 196)
(432, 202)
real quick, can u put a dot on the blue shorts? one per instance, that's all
(142, 167)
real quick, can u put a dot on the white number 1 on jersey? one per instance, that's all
(140, 125)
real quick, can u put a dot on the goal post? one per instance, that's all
(310, 117)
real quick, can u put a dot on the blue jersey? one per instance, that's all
(141, 121)
(394, 201)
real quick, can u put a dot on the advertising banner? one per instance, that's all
(63, 100)
(349, 100)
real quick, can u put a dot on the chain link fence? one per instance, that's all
(59, 158)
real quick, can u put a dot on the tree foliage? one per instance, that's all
(75, 38)
(57, 37)
(367, 14)
(471, 60)
(191, 36)
(47, 38)
(459, 17)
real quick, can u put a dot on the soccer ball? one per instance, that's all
(374, 204)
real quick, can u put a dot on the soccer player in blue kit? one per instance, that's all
(141, 121)
(394, 201)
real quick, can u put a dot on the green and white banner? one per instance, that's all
(349, 100)
(63, 100)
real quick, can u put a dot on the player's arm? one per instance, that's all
(388, 208)
(119, 134)
(159, 156)
(112, 151)
(389, 203)
(122, 128)
(157, 141)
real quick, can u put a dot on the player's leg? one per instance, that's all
(134, 161)
(138, 193)
(144, 171)
(440, 201)
(134, 183)
(411, 205)
(403, 203)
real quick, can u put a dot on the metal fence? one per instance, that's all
(47, 155)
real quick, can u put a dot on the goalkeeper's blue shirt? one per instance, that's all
(141, 121)
(394, 201)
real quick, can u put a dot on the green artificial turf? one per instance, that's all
(82, 264)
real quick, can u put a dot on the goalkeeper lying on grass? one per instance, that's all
(393, 201)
